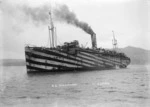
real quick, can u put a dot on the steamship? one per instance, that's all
(71, 57)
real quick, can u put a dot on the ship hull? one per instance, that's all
(53, 60)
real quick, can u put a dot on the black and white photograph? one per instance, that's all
(74, 53)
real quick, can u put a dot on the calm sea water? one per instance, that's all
(107, 88)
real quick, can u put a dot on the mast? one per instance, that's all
(51, 32)
(55, 37)
(49, 36)
(114, 42)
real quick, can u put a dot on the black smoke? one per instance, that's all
(37, 14)
(60, 13)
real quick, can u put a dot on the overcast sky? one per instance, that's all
(127, 18)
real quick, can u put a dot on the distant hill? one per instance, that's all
(137, 55)
(12, 62)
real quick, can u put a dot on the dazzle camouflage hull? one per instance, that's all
(39, 59)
